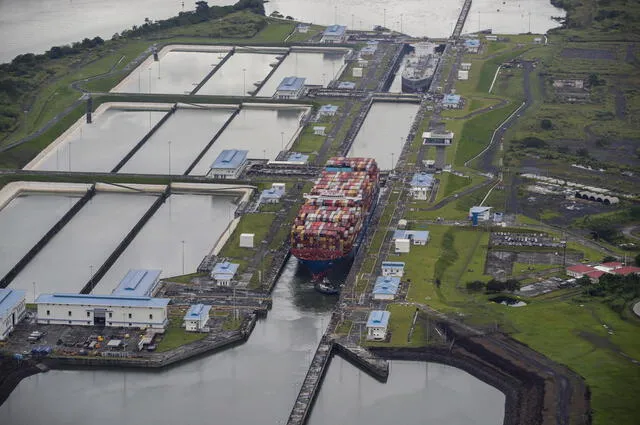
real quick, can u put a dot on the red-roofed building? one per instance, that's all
(623, 271)
(580, 270)
(595, 275)
(612, 265)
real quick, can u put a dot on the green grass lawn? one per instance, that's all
(186, 278)
(452, 183)
(309, 142)
(175, 335)
(258, 224)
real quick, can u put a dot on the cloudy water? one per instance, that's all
(65, 264)
(24, 221)
(416, 393)
(177, 143)
(263, 132)
(176, 72)
(101, 145)
(33, 26)
(239, 75)
(254, 383)
(184, 224)
(316, 68)
(384, 132)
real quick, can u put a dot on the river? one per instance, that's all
(255, 383)
(34, 26)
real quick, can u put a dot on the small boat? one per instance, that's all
(326, 288)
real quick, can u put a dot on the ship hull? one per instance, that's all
(415, 85)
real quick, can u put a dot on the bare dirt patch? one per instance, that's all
(595, 54)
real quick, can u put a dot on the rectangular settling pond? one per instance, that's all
(177, 72)
(188, 222)
(177, 143)
(384, 132)
(65, 264)
(24, 221)
(264, 132)
(240, 75)
(101, 145)
(316, 67)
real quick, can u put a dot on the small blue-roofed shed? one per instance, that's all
(346, 85)
(298, 158)
(418, 237)
(229, 164)
(139, 283)
(421, 183)
(327, 110)
(334, 34)
(290, 88)
(377, 324)
(452, 101)
(197, 317)
(386, 288)
(393, 268)
(12, 310)
(224, 272)
(472, 45)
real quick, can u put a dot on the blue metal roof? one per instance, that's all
(225, 267)
(416, 235)
(197, 312)
(8, 300)
(386, 285)
(139, 283)
(393, 263)
(298, 157)
(422, 180)
(102, 300)
(230, 158)
(479, 209)
(324, 109)
(346, 85)
(472, 43)
(451, 99)
(291, 84)
(378, 318)
(335, 30)
(271, 194)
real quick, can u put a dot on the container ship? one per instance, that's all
(419, 68)
(332, 222)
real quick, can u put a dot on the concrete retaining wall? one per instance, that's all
(14, 189)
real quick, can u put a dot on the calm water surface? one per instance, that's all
(239, 75)
(26, 219)
(101, 145)
(66, 262)
(198, 220)
(177, 143)
(34, 26)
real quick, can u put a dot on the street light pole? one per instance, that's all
(169, 143)
(182, 257)
(244, 82)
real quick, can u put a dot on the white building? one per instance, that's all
(402, 246)
(434, 138)
(334, 34)
(465, 66)
(402, 224)
(418, 237)
(386, 288)
(270, 196)
(229, 164)
(393, 268)
(452, 101)
(102, 310)
(319, 130)
(463, 75)
(290, 88)
(197, 317)
(327, 110)
(357, 72)
(483, 213)
(377, 325)
(421, 184)
(12, 310)
(302, 28)
(224, 272)
(246, 240)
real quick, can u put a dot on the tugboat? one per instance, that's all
(326, 288)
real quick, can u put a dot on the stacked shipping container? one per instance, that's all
(334, 214)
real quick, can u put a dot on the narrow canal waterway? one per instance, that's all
(416, 393)
(384, 132)
(185, 224)
(65, 264)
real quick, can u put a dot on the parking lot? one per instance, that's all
(524, 239)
